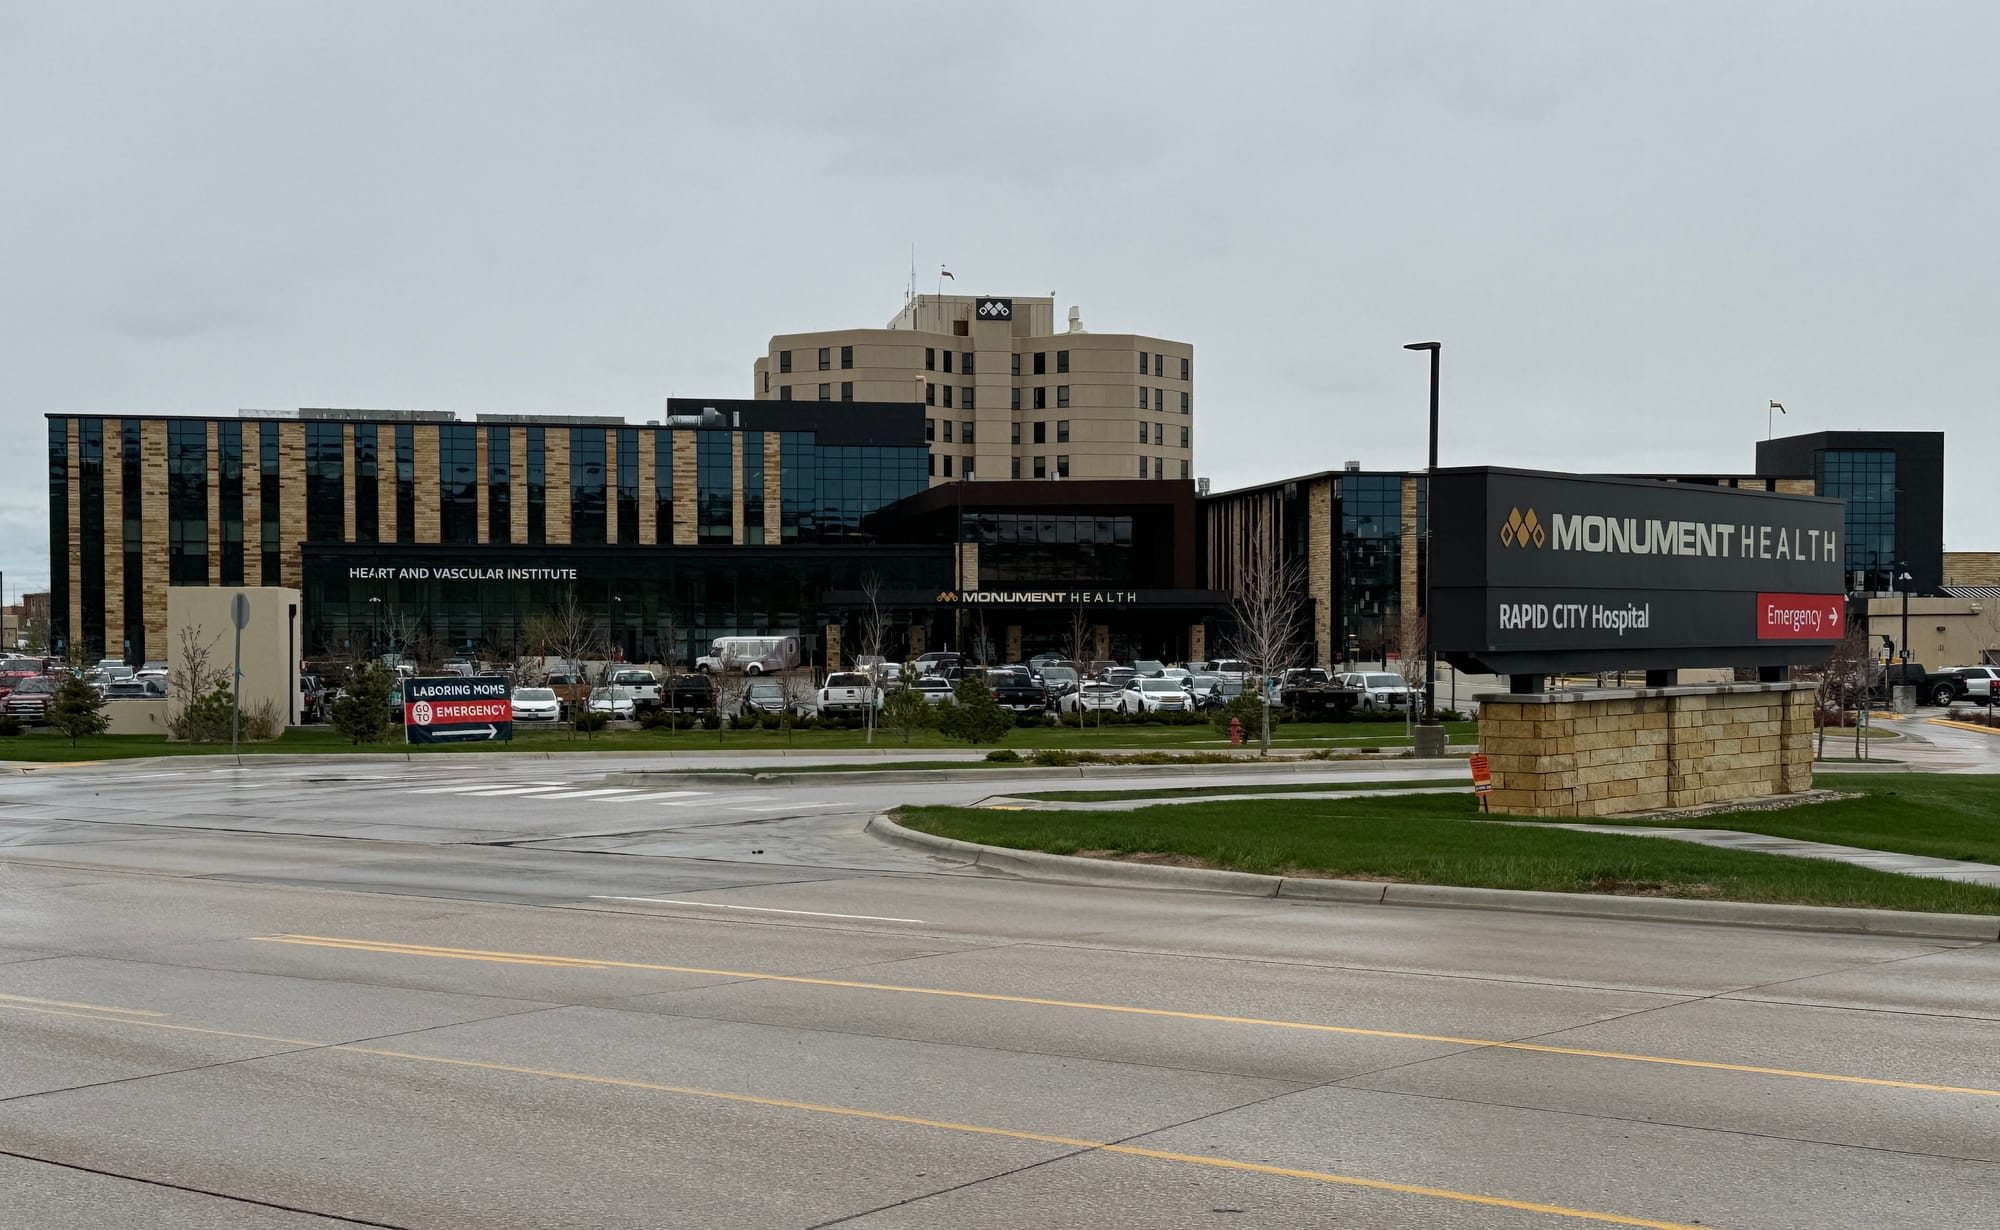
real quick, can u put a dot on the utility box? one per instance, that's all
(1903, 698)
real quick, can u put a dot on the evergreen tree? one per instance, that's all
(76, 709)
(362, 713)
(905, 710)
(974, 715)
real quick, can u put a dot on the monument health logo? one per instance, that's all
(1522, 531)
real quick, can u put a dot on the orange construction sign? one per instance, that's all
(1482, 773)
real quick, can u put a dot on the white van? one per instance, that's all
(753, 655)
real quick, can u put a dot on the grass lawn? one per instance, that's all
(1943, 815)
(42, 746)
(1437, 839)
(1181, 792)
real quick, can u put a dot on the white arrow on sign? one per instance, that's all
(483, 731)
(1833, 617)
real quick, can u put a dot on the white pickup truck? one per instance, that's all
(845, 694)
(645, 687)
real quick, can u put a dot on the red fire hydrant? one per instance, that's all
(1236, 730)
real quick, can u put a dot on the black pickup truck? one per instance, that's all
(1018, 691)
(1309, 692)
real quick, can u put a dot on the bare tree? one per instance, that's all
(670, 663)
(1075, 642)
(1268, 610)
(573, 635)
(1412, 643)
(1986, 633)
(872, 630)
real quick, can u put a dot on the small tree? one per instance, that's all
(362, 713)
(670, 664)
(974, 715)
(905, 710)
(1413, 643)
(1076, 644)
(198, 694)
(871, 649)
(77, 709)
(1267, 606)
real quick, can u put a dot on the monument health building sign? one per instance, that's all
(1545, 573)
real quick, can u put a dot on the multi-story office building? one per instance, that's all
(1005, 395)
(722, 518)
(1893, 482)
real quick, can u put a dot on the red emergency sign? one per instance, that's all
(1801, 617)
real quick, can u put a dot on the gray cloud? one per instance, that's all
(1632, 226)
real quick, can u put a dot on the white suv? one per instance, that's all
(1156, 696)
(1379, 689)
(1977, 682)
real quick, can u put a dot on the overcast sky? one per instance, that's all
(1631, 225)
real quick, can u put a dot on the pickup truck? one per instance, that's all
(1311, 693)
(645, 687)
(690, 694)
(845, 694)
(1017, 690)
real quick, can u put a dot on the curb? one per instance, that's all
(1035, 865)
(1956, 725)
(669, 777)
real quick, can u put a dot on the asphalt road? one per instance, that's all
(489, 995)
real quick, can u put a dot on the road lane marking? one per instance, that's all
(715, 799)
(467, 783)
(761, 909)
(63, 1003)
(942, 1125)
(391, 948)
(656, 796)
(505, 790)
(602, 792)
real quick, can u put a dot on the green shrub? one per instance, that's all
(362, 714)
(1005, 755)
(588, 722)
(9, 726)
(974, 715)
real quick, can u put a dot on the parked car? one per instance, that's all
(1100, 668)
(845, 694)
(153, 669)
(572, 691)
(645, 687)
(762, 696)
(1156, 696)
(1017, 690)
(1148, 668)
(1094, 697)
(136, 689)
(28, 701)
(888, 676)
(1120, 675)
(1975, 684)
(935, 690)
(1060, 678)
(1206, 691)
(11, 679)
(1231, 668)
(613, 700)
(536, 705)
(1379, 689)
(941, 663)
(315, 699)
(689, 694)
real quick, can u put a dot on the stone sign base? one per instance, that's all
(1608, 751)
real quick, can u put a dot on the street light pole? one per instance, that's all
(1430, 514)
(1903, 583)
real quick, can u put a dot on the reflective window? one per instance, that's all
(90, 491)
(663, 486)
(59, 544)
(326, 497)
(753, 488)
(367, 493)
(228, 443)
(628, 485)
(586, 486)
(538, 485)
(267, 500)
(712, 486)
(406, 482)
(499, 485)
(187, 503)
(1866, 479)
(458, 483)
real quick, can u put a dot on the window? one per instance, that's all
(1041, 433)
(1187, 366)
(367, 497)
(1041, 467)
(586, 486)
(965, 363)
(628, 485)
(930, 394)
(1062, 396)
(187, 502)
(825, 357)
(847, 390)
(1041, 362)
(499, 491)
(933, 465)
(1186, 435)
(1184, 469)
(785, 361)
(1041, 397)
(947, 360)
(930, 430)
(663, 487)
(1142, 398)
(965, 436)
(1017, 432)
(753, 488)
(1159, 434)
(1017, 365)
(1159, 365)
(1160, 400)
(826, 392)
(767, 381)
(965, 397)
(947, 431)
(784, 392)
(1187, 402)
(1062, 431)
(1015, 400)
(458, 483)
(947, 396)
(1142, 437)
(1016, 469)
(326, 499)
(713, 484)
(1062, 465)
(406, 482)
(847, 358)
(1142, 371)
(947, 465)
(930, 358)
(1062, 360)
(1142, 460)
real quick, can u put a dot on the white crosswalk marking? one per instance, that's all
(505, 790)
(667, 794)
(456, 787)
(741, 798)
(775, 806)
(604, 792)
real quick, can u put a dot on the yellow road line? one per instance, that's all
(63, 1003)
(1984, 730)
(389, 948)
(944, 1125)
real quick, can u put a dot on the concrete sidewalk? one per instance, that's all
(1877, 860)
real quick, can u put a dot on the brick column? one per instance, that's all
(649, 527)
(1407, 581)
(517, 483)
(1321, 534)
(253, 506)
(479, 474)
(774, 489)
(214, 453)
(686, 492)
(348, 465)
(114, 542)
(556, 454)
(385, 483)
(428, 481)
(291, 503)
(153, 531)
(736, 488)
(968, 565)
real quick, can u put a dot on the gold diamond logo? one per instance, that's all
(1520, 531)
(1533, 530)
